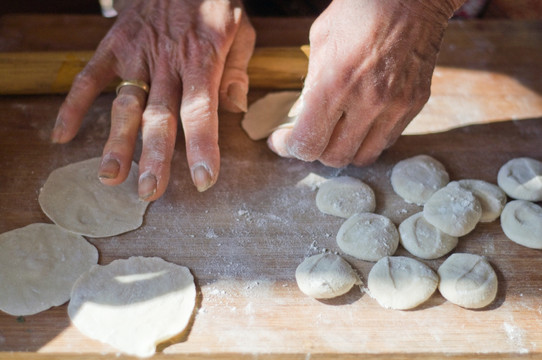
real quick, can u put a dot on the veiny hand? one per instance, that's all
(370, 70)
(193, 53)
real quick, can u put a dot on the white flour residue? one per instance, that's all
(311, 181)
(516, 337)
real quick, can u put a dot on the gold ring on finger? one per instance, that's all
(137, 83)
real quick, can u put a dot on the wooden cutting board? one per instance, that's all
(244, 238)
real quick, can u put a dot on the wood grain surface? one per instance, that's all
(244, 238)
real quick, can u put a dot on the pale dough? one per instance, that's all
(75, 199)
(453, 210)
(468, 280)
(521, 179)
(325, 276)
(401, 283)
(417, 178)
(345, 196)
(368, 237)
(521, 221)
(133, 304)
(491, 197)
(39, 264)
(423, 240)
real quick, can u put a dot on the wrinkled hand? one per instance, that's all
(193, 53)
(370, 70)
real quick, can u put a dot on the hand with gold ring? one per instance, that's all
(177, 59)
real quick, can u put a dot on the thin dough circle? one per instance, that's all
(521, 179)
(521, 221)
(345, 196)
(491, 197)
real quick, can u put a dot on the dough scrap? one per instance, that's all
(521, 221)
(417, 178)
(468, 280)
(39, 264)
(325, 276)
(345, 196)
(399, 282)
(491, 197)
(521, 179)
(74, 198)
(453, 210)
(133, 304)
(424, 240)
(368, 237)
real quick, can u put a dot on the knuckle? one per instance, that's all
(197, 108)
(128, 103)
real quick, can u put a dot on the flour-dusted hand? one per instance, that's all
(192, 53)
(370, 70)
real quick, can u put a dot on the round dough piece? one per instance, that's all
(491, 197)
(325, 276)
(368, 237)
(401, 283)
(453, 210)
(75, 199)
(417, 178)
(521, 179)
(345, 196)
(521, 221)
(133, 304)
(423, 240)
(467, 280)
(39, 264)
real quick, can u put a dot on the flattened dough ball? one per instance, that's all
(521, 179)
(521, 221)
(325, 276)
(491, 197)
(423, 240)
(75, 199)
(345, 196)
(453, 210)
(417, 178)
(39, 264)
(401, 283)
(368, 237)
(467, 280)
(133, 304)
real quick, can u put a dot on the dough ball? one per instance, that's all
(417, 178)
(521, 179)
(39, 264)
(325, 276)
(133, 304)
(345, 196)
(491, 197)
(401, 283)
(423, 240)
(521, 221)
(368, 236)
(467, 280)
(453, 210)
(75, 199)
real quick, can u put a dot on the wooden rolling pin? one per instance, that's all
(53, 72)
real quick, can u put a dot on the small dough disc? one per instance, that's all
(521, 179)
(133, 304)
(399, 282)
(453, 210)
(417, 178)
(491, 197)
(521, 221)
(39, 264)
(468, 280)
(368, 237)
(75, 199)
(423, 240)
(325, 276)
(345, 196)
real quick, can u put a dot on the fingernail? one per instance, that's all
(238, 96)
(296, 108)
(109, 169)
(147, 185)
(56, 134)
(202, 177)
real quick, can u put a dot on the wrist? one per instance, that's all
(433, 10)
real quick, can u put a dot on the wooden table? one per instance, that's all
(244, 238)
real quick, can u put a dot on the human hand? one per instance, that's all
(193, 54)
(370, 70)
